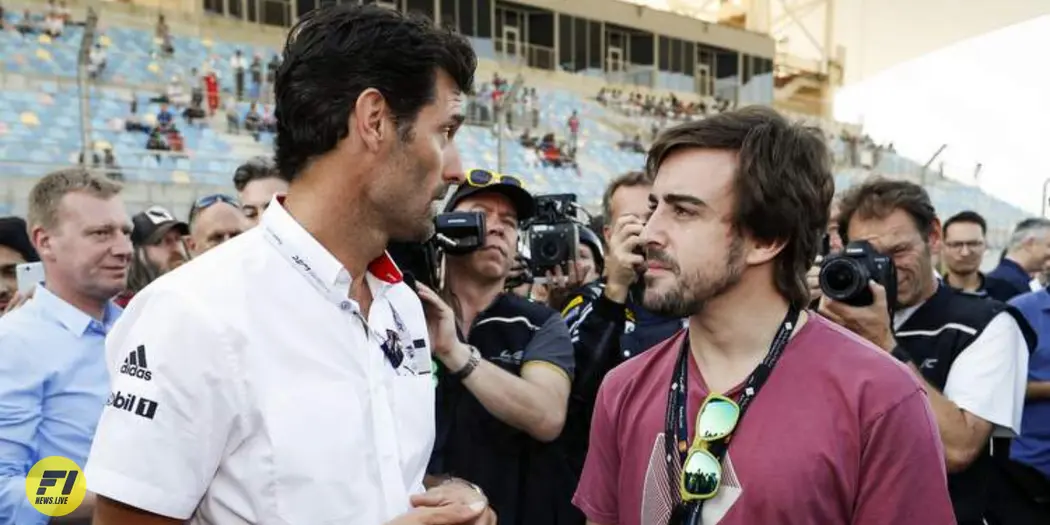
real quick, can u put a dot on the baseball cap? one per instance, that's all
(519, 197)
(149, 226)
(15, 235)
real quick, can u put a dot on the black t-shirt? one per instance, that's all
(527, 482)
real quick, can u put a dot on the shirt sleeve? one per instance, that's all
(551, 345)
(902, 462)
(596, 495)
(988, 379)
(1039, 360)
(21, 411)
(172, 409)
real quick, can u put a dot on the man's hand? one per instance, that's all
(456, 492)
(559, 285)
(623, 261)
(871, 322)
(452, 514)
(441, 321)
(813, 280)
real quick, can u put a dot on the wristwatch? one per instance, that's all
(902, 355)
(472, 363)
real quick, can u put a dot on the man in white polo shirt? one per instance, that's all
(285, 378)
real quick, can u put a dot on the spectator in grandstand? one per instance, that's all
(109, 161)
(255, 71)
(214, 219)
(54, 379)
(233, 116)
(238, 64)
(257, 181)
(253, 121)
(163, 35)
(63, 12)
(964, 248)
(96, 61)
(156, 142)
(494, 346)
(606, 318)
(54, 25)
(15, 249)
(176, 143)
(165, 119)
(366, 156)
(157, 238)
(176, 93)
(27, 26)
(969, 353)
(1027, 253)
(271, 74)
(211, 89)
(727, 246)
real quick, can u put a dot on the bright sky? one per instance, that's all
(986, 97)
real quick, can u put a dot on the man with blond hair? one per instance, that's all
(53, 376)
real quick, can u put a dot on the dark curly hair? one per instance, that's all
(335, 53)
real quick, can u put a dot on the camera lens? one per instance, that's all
(841, 279)
(549, 250)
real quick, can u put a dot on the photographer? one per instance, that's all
(505, 368)
(607, 322)
(970, 353)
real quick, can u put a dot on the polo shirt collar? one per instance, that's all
(72, 318)
(315, 262)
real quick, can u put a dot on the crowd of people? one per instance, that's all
(269, 360)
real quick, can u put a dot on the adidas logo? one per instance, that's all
(135, 364)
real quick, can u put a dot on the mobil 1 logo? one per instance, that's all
(137, 405)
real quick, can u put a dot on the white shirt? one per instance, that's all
(248, 389)
(988, 379)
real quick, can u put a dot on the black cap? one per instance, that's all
(148, 227)
(521, 199)
(15, 235)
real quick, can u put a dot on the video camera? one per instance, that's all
(844, 277)
(456, 233)
(551, 235)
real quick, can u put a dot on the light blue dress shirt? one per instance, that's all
(54, 382)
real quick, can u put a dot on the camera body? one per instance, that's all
(552, 234)
(844, 277)
(457, 233)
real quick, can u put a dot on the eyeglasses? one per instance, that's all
(211, 200)
(702, 473)
(480, 178)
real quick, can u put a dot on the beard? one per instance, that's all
(691, 291)
(408, 220)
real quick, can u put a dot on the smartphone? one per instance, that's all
(28, 276)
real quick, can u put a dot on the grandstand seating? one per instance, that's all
(39, 127)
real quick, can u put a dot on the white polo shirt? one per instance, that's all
(247, 388)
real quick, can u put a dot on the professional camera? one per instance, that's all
(457, 233)
(552, 237)
(844, 277)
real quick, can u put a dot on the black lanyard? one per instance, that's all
(677, 422)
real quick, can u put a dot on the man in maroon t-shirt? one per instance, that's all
(838, 433)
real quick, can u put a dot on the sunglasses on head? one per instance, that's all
(702, 473)
(211, 200)
(480, 178)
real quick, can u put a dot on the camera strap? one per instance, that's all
(676, 421)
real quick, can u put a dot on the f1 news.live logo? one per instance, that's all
(55, 486)
(137, 405)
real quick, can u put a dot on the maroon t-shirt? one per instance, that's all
(841, 433)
